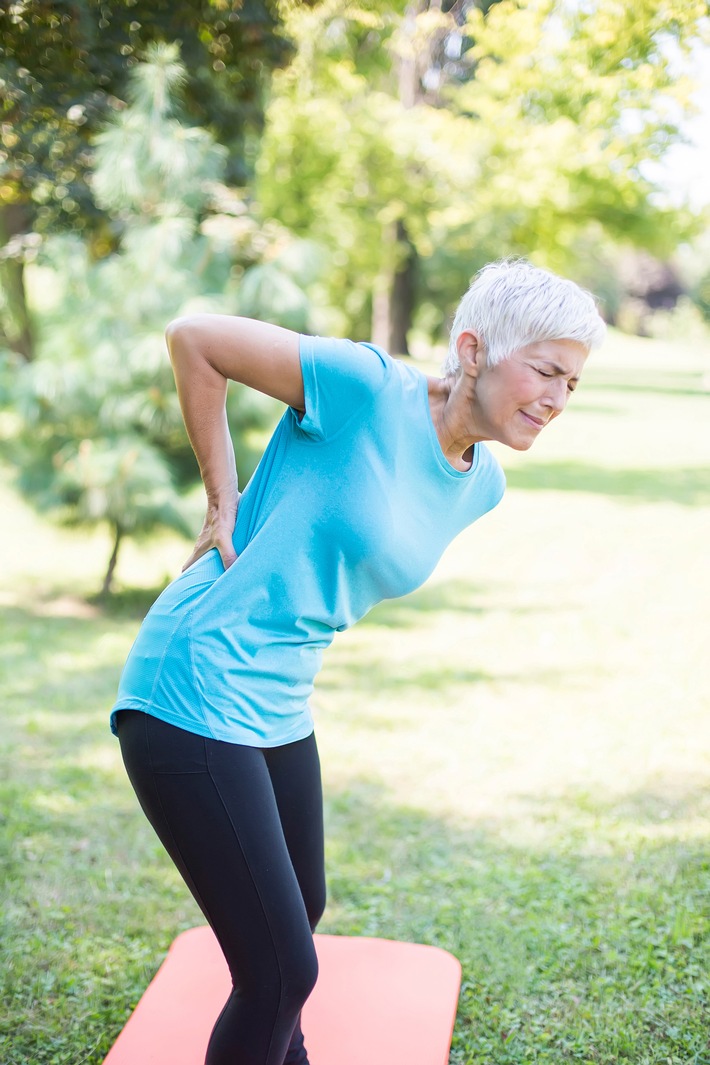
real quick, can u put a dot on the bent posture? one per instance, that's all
(373, 469)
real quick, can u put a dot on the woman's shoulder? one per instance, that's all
(490, 470)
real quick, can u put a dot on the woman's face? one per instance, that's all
(517, 398)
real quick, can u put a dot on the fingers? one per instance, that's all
(226, 552)
(221, 538)
(216, 532)
(205, 543)
(223, 543)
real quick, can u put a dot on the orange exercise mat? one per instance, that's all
(376, 1001)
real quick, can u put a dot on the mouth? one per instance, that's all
(537, 423)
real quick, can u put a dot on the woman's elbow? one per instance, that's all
(177, 333)
(177, 325)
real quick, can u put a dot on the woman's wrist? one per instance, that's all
(222, 504)
(223, 498)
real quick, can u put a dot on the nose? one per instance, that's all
(556, 395)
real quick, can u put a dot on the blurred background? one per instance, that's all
(517, 757)
(333, 167)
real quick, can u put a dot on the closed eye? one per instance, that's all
(543, 373)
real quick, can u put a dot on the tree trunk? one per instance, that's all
(106, 587)
(393, 300)
(393, 294)
(18, 334)
(403, 294)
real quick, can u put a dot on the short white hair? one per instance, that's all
(512, 303)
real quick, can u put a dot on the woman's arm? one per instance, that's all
(206, 350)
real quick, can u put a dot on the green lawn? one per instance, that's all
(516, 758)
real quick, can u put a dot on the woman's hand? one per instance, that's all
(217, 532)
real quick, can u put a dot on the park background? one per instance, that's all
(516, 757)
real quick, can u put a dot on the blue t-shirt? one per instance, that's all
(353, 502)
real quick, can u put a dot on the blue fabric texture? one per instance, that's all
(353, 502)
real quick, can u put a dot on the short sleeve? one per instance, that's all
(339, 378)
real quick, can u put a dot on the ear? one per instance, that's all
(470, 352)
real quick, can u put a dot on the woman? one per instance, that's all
(371, 472)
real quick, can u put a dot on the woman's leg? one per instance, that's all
(214, 809)
(296, 779)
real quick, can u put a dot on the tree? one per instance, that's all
(450, 135)
(64, 69)
(347, 160)
(102, 437)
(570, 101)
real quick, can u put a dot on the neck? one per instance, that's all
(452, 402)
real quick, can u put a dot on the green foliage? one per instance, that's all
(146, 161)
(118, 480)
(570, 101)
(102, 436)
(65, 68)
(531, 142)
(275, 290)
(343, 159)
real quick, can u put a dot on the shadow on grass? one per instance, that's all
(59, 676)
(29, 630)
(62, 623)
(688, 487)
(598, 957)
(128, 602)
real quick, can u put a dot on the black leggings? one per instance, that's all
(244, 827)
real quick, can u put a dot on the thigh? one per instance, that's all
(213, 807)
(296, 779)
(179, 748)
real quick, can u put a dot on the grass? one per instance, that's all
(516, 757)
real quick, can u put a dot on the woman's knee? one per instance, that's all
(299, 978)
(286, 976)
